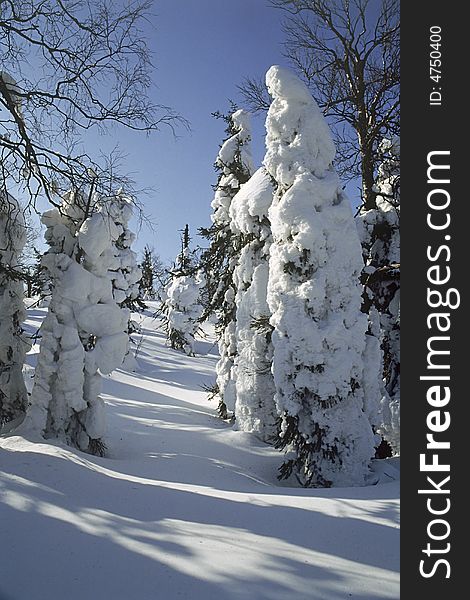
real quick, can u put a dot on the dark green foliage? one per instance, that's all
(134, 304)
(97, 447)
(154, 275)
(310, 450)
(262, 324)
(217, 261)
(383, 450)
(213, 393)
(176, 339)
(146, 285)
(36, 277)
(304, 465)
(304, 270)
(186, 263)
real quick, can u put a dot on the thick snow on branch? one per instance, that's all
(234, 155)
(13, 91)
(183, 311)
(85, 331)
(379, 230)
(314, 296)
(13, 343)
(236, 164)
(124, 270)
(255, 411)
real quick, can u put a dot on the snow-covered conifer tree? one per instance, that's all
(147, 289)
(255, 410)
(380, 237)
(13, 343)
(315, 297)
(37, 279)
(85, 331)
(125, 272)
(234, 162)
(154, 275)
(182, 310)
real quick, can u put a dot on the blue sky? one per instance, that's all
(202, 50)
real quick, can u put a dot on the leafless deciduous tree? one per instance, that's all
(67, 66)
(348, 52)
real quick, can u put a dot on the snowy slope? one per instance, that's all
(183, 507)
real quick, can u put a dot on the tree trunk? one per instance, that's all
(368, 193)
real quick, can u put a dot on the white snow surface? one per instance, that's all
(183, 506)
(253, 200)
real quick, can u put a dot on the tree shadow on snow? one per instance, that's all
(105, 534)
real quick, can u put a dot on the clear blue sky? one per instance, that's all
(202, 50)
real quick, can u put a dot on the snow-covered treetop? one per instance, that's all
(63, 225)
(183, 293)
(241, 119)
(298, 137)
(92, 221)
(238, 142)
(96, 235)
(236, 165)
(252, 202)
(76, 206)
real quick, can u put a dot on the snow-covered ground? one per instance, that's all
(183, 506)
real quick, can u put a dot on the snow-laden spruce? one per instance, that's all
(183, 311)
(84, 333)
(123, 270)
(13, 342)
(314, 296)
(147, 290)
(235, 164)
(380, 238)
(255, 410)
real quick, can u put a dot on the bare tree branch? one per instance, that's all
(347, 51)
(67, 66)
